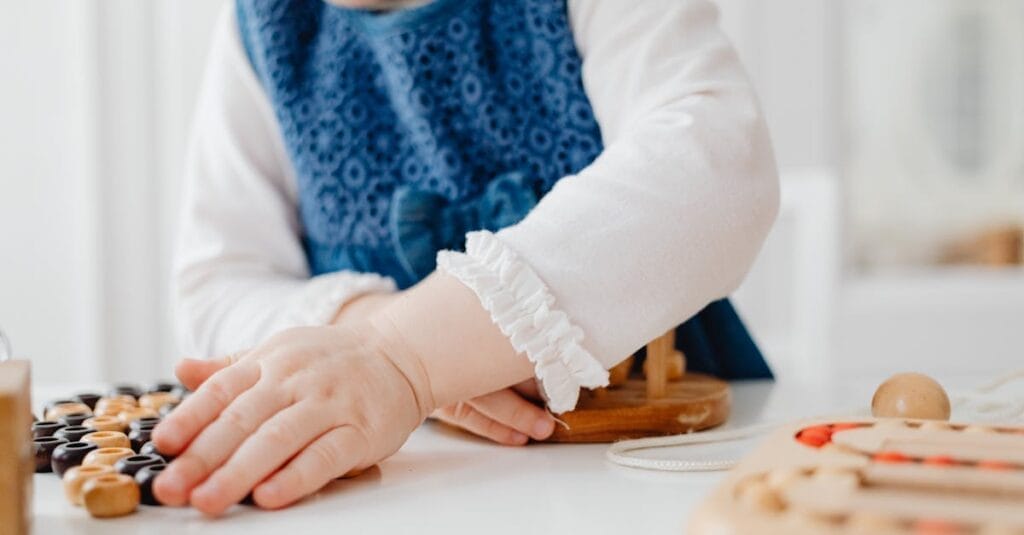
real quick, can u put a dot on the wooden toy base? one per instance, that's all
(691, 403)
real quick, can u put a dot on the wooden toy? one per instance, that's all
(42, 452)
(668, 401)
(16, 462)
(73, 433)
(130, 415)
(876, 475)
(140, 436)
(45, 429)
(76, 477)
(105, 423)
(88, 398)
(110, 495)
(70, 455)
(144, 478)
(910, 395)
(107, 456)
(131, 465)
(63, 409)
(156, 400)
(75, 418)
(108, 439)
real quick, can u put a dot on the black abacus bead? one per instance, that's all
(181, 392)
(147, 422)
(76, 418)
(149, 448)
(46, 429)
(70, 455)
(162, 387)
(139, 437)
(126, 389)
(89, 398)
(73, 433)
(166, 409)
(42, 450)
(129, 466)
(144, 477)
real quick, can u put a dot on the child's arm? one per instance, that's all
(666, 220)
(240, 272)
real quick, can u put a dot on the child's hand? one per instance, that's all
(506, 416)
(288, 417)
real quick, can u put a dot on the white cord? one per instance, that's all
(620, 452)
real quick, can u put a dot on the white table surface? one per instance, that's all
(443, 481)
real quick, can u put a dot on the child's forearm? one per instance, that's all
(443, 339)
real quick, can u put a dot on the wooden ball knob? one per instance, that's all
(108, 439)
(104, 423)
(156, 400)
(63, 409)
(77, 476)
(107, 456)
(910, 395)
(130, 415)
(110, 495)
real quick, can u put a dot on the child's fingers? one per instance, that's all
(509, 408)
(215, 443)
(331, 456)
(465, 416)
(198, 410)
(260, 455)
(194, 372)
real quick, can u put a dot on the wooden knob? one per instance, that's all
(105, 423)
(107, 456)
(110, 495)
(76, 477)
(910, 395)
(108, 439)
(62, 409)
(130, 415)
(156, 400)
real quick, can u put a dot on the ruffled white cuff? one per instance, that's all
(323, 295)
(523, 308)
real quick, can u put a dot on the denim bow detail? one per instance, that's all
(423, 223)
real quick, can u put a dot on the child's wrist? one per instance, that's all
(387, 340)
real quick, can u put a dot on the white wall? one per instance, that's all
(91, 149)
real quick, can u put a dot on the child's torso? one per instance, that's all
(407, 129)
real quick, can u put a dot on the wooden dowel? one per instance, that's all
(658, 352)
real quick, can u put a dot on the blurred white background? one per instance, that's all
(98, 97)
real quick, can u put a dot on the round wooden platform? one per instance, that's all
(692, 403)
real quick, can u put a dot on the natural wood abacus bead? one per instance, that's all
(107, 456)
(110, 495)
(76, 477)
(130, 415)
(106, 407)
(105, 423)
(62, 409)
(108, 439)
(156, 400)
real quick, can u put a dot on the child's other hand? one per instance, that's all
(506, 416)
(286, 418)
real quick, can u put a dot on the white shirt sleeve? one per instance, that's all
(240, 272)
(668, 218)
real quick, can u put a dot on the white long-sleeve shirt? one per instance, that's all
(667, 219)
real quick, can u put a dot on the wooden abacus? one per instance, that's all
(16, 464)
(667, 401)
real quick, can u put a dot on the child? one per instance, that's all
(603, 166)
